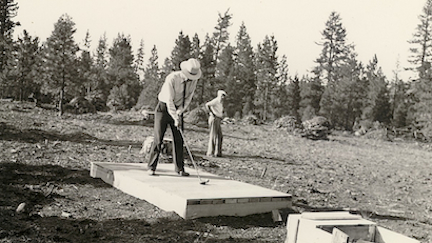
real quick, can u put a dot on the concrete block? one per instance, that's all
(185, 195)
(337, 227)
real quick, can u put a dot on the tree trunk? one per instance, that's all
(61, 101)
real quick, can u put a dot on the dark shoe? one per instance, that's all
(151, 172)
(183, 173)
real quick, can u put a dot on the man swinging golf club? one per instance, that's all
(174, 98)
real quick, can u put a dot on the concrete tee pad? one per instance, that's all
(185, 195)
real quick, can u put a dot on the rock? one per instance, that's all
(66, 215)
(21, 207)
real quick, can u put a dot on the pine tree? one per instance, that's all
(86, 83)
(280, 99)
(182, 51)
(28, 59)
(167, 67)
(221, 34)
(347, 95)
(267, 67)
(8, 10)
(422, 88)
(207, 86)
(422, 38)
(152, 83)
(60, 59)
(294, 98)
(196, 52)
(227, 81)
(422, 109)
(139, 61)
(398, 100)
(121, 72)
(334, 48)
(101, 90)
(227, 61)
(311, 90)
(196, 47)
(377, 104)
(335, 64)
(245, 71)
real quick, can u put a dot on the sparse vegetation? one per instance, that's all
(46, 159)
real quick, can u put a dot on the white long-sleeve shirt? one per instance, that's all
(216, 106)
(172, 93)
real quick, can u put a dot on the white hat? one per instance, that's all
(221, 92)
(191, 68)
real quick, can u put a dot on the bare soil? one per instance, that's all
(45, 161)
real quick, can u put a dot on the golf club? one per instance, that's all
(202, 182)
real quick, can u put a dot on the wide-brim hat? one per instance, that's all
(191, 68)
(221, 92)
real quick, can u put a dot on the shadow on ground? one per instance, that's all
(11, 133)
(29, 226)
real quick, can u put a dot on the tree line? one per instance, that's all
(257, 80)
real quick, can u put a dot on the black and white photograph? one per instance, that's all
(204, 121)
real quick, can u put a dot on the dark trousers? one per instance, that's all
(214, 147)
(161, 120)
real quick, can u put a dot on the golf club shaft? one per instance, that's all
(190, 154)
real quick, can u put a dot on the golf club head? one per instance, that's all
(204, 182)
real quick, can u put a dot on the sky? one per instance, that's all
(375, 27)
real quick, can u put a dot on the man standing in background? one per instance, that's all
(215, 107)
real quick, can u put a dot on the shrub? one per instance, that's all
(316, 128)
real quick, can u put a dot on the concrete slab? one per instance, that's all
(185, 195)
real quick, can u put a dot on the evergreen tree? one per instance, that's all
(60, 60)
(102, 89)
(200, 88)
(400, 104)
(347, 95)
(311, 91)
(421, 111)
(196, 47)
(8, 10)
(334, 56)
(377, 104)
(227, 81)
(280, 99)
(294, 98)
(221, 34)
(335, 51)
(245, 72)
(167, 67)
(207, 86)
(266, 81)
(119, 98)
(227, 61)
(182, 51)
(139, 61)
(86, 83)
(28, 59)
(121, 72)
(152, 83)
(398, 100)
(421, 51)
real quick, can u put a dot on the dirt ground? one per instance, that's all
(47, 194)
